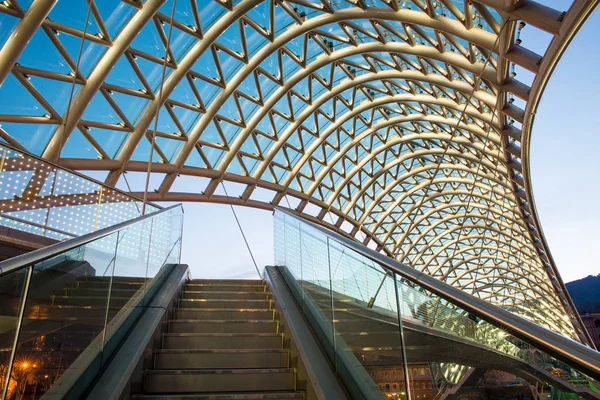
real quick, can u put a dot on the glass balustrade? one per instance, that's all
(387, 337)
(43, 199)
(58, 316)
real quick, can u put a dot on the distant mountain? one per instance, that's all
(586, 294)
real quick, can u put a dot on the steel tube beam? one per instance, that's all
(184, 67)
(574, 19)
(536, 14)
(20, 37)
(391, 47)
(480, 37)
(446, 166)
(373, 154)
(98, 76)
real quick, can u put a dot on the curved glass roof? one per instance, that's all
(403, 124)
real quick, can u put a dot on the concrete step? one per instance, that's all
(227, 295)
(224, 313)
(219, 380)
(222, 396)
(97, 292)
(89, 301)
(135, 279)
(215, 303)
(94, 284)
(223, 326)
(225, 287)
(228, 281)
(68, 312)
(222, 341)
(224, 358)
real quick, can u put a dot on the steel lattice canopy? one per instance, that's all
(401, 123)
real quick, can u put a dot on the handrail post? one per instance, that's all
(13, 353)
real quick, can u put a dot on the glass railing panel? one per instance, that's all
(128, 278)
(141, 254)
(452, 353)
(368, 342)
(42, 198)
(80, 304)
(176, 237)
(11, 302)
(305, 256)
(165, 234)
(415, 344)
(64, 317)
(356, 305)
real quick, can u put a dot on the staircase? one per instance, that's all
(65, 312)
(224, 343)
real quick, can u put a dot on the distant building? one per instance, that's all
(592, 324)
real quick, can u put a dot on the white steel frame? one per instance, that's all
(418, 150)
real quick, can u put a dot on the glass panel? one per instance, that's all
(368, 340)
(64, 318)
(142, 253)
(80, 304)
(306, 260)
(451, 352)
(11, 302)
(395, 340)
(352, 303)
(42, 199)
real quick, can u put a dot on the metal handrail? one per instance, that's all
(27, 259)
(578, 356)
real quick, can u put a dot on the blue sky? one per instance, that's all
(565, 150)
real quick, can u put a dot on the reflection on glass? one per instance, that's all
(382, 331)
(76, 301)
(452, 353)
(11, 302)
(42, 199)
(359, 333)
(366, 322)
(64, 315)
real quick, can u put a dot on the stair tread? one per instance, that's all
(223, 396)
(217, 284)
(224, 334)
(184, 368)
(225, 309)
(223, 300)
(227, 280)
(220, 291)
(202, 351)
(225, 321)
(218, 371)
